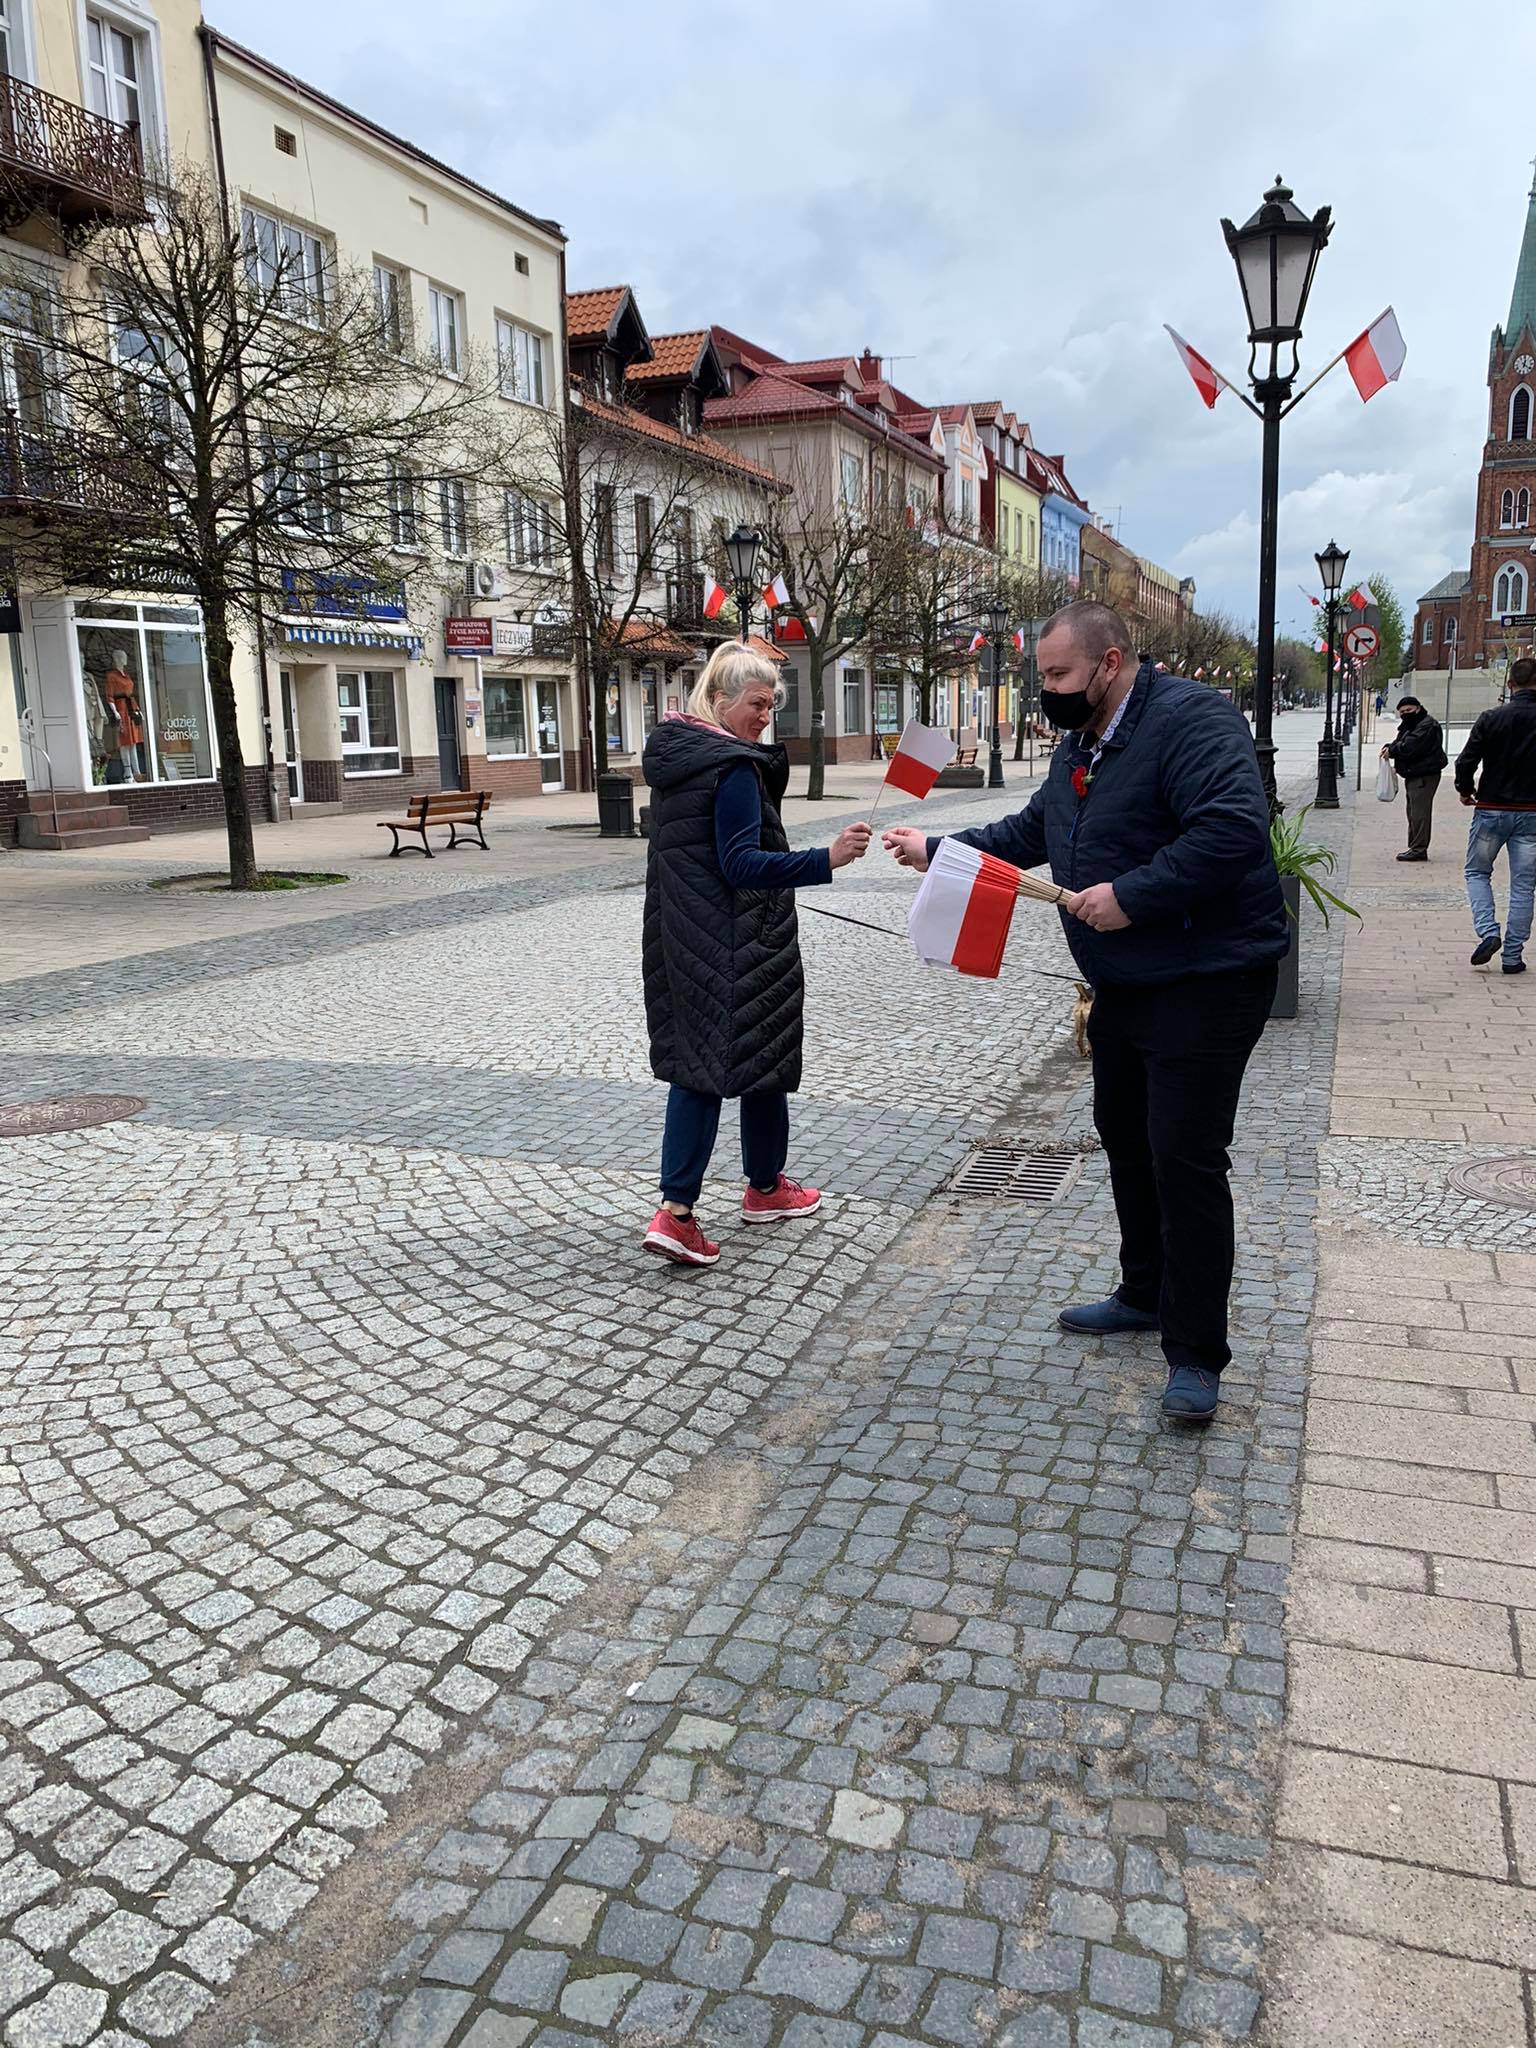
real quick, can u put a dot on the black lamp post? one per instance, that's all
(1276, 253)
(741, 551)
(996, 617)
(1330, 567)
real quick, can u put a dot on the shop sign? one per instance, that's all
(467, 636)
(512, 637)
(348, 597)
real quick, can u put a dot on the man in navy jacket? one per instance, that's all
(1153, 815)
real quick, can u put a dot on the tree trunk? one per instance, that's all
(226, 724)
(925, 696)
(816, 782)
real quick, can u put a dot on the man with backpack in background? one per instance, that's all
(1502, 745)
(1418, 755)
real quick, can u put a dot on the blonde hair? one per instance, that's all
(730, 671)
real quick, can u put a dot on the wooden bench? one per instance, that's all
(458, 809)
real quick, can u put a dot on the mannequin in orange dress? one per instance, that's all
(122, 695)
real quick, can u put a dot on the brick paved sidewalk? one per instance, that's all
(1406, 1893)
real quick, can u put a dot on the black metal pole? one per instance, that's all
(744, 608)
(995, 760)
(1272, 391)
(1327, 798)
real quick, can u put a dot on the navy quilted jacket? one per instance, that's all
(724, 988)
(1175, 817)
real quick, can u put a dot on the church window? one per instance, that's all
(1429, 631)
(1507, 509)
(1522, 507)
(1450, 629)
(1509, 590)
(1520, 415)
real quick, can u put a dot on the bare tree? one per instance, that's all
(936, 604)
(273, 428)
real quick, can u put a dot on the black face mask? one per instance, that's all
(1071, 709)
(1410, 717)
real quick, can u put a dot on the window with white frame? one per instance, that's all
(445, 310)
(1450, 629)
(506, 718)
(530, 532)
(1429, 631)
(453, 514)
(288, 265)
(1018, 533)
(404, 507)
(370, 721)
(389, 301)
(645, 534)
(1522, 507)
(149, 364)
(9, 51)
(1509, 590)
(520, 361)
(967, 500)
(1520, 414)
(1507, 509)
(853, 700)
(116, 62)
(852, 479)
(306, 483)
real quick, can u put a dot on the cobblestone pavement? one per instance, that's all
(424, 1620)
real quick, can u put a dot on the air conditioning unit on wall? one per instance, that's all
(483, 579)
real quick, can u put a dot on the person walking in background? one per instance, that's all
(724, 988)
(1496, 775)
(1418, 755)
(1152, 813)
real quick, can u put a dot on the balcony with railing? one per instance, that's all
(60, 470)
(685, 603)
(65, 160)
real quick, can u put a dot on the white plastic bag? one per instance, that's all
(1386, 782)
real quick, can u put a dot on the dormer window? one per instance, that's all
(688, 412)
(608, 378)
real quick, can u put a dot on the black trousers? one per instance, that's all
(693, 1123)
(1168, 1064)
(1419, 802)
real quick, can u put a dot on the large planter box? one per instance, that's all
(1288, 989)
(960, 778)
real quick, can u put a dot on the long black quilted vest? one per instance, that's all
(724, 989)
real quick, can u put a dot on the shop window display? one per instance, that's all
(144, 692)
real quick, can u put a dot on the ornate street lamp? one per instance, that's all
(1330, 567)
(741, 552)
(1276, 252)
(996, 618)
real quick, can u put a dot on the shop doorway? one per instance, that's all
(291, 736)
(546, 718)
(446, 692)
(52, 736)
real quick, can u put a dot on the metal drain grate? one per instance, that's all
(1016, 1173)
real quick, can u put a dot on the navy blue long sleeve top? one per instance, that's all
(738, 840)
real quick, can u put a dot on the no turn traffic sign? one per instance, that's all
(1362, 642)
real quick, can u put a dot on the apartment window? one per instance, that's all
(147, 361)
(404, 524)
(602, 522)
(967, 500)
(389, 298)
(446, 312)
(115, 66)
(286, 264)
(687, 412)
(682, 536)
(8, 55)
(506, 717)
(520, 362)
(1018, 533)
(853, 700)
(520, 264)
(370, 724)
(530, 532)
(853, 480)
(645, 530)
(453, 514)
(879, 490)
(1030, 532)
(307, 486)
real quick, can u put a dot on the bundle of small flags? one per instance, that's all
(962, 912)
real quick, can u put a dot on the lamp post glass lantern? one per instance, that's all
(1275, 252)
(1330, 567)
(741, 552)
(996, 618)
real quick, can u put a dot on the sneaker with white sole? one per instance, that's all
(679, 1238)
(786, 1198)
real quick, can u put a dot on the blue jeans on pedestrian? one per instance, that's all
(1516, 832)
(688, 1139)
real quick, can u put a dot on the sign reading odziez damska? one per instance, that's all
(468, 636)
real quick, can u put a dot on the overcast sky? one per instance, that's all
(1010, 200)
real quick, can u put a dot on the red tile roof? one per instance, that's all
(589, 315)
(747, 350)
(771, 396)
(952, 415)
(824, 370)
(673, 355)
(645, 636)
(699, 447)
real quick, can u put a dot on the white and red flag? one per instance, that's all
(920, 754)
(1376, 357)
(1360, 598)
(714, 597)
(776, 594)
(961, 914)
(977, 640)
(1209, 382)
(1018, 638)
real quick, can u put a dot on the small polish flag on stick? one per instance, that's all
(1376, 358)
(977, 640)
(961, 914)
(776, 594)
(920, 754)
(714, 597)
(1209, 382)
(1360, 599)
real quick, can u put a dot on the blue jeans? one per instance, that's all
(689, 1138)
(1515, 831)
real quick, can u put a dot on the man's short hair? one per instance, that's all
(1095, 629)
(1522, 673)
(1409, 700)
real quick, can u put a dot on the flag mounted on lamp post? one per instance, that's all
(1375, 359)
(1209, 382)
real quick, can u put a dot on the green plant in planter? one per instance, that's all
(1307, 861)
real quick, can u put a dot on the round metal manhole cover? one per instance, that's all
(66, 1113)
(1510, 1181)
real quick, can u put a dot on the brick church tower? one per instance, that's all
(1485, 616)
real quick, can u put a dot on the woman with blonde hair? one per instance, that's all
(724, 988)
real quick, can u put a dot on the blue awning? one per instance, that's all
(400, 637)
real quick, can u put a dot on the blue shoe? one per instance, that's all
(1105, 1318)
(1191, 1394)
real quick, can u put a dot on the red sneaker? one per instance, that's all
(787, 1199)
(680, 1238)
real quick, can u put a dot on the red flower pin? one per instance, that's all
(1081, 779)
